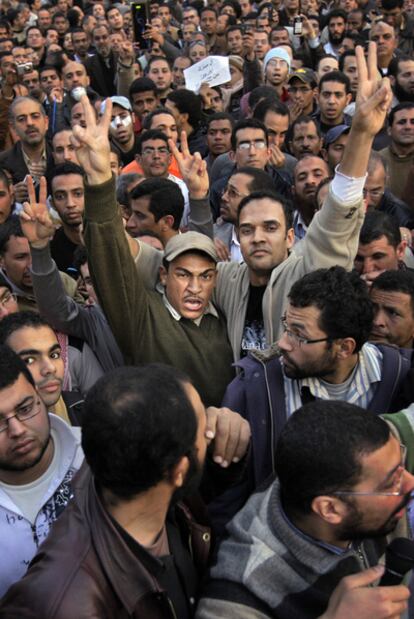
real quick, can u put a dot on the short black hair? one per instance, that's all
(64, 169)
(153, 59)
(343, 300)
(142, 84)
(11, 227)
(261, 92)
(394, 66)
(268, 105)
(259, 179)
(234, 28)
(269, 195)
(11, 366)
(208, 8)
(19, 320)
(336, 76)
(396, 281)
(235, 5)
(247, 123)
(377, 224)
(220, 116)
(346, 54)
(132, 440)
(187, 102)
(388, 5)
(165, 198)
(49, 67)
(80, 257)
(320, 448)
(323, 58)
(148, 118)
(408, 105)
(151, 134)
(335, 13)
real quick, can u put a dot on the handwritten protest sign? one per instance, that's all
(213, 70)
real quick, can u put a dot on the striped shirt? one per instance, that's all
(358, 389)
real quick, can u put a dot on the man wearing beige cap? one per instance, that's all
(175, 324)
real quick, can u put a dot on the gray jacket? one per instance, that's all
(64, 314)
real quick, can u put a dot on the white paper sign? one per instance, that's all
(213, 70)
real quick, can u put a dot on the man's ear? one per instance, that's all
(346, 347)
(400, 250)
(324, 153)
(163, 275)
(166, 222)
(232, 155)
(330, 509)
(179, 473)
(348, 98)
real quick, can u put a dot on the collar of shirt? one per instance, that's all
(210, 309)
(330, 547)
(299, 226)
(41, 163)
(368, 371)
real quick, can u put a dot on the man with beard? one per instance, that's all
(305, 137)
(336, 22)
(144, 455)
(322, 354)
(309, 172)
(401, 73)
(341, 487)
(67, 197)
(39, 455)
(31, 154)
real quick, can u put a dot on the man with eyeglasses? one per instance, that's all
(154, 156)
(8, 300)
(342, 486)
(39, 455)
(249, 148)
(322, 354)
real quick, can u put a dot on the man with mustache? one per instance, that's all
(342, 485)
(309, 172)
(39, 455)
(323, 354)
(31, 154)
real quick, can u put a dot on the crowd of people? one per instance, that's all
(206, 308)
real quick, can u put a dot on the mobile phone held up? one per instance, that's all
(297, 26)
(140, 18)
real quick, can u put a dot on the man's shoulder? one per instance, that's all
(11, 153)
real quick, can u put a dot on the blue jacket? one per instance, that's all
(258, 395)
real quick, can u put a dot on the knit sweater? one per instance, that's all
(398, 170)
(143, 327)
(268, 568)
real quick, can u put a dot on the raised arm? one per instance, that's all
(194, 172)
(333, 235)
(120, 291)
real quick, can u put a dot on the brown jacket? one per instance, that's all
(86, 570)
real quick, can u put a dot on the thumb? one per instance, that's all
(366, 577)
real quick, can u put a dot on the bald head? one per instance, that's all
(74, 75)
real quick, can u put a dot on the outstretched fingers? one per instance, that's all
(361, 65)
